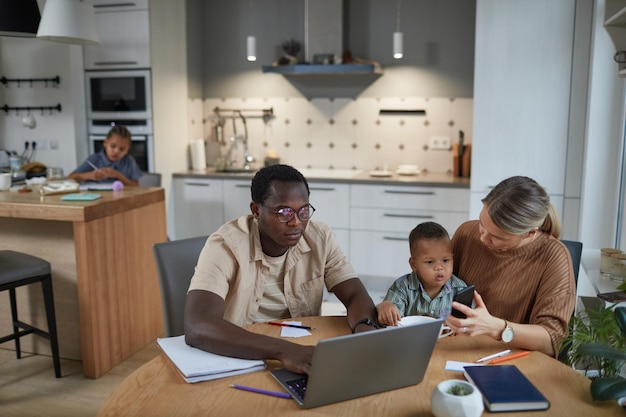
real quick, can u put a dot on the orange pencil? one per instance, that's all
(506, 358)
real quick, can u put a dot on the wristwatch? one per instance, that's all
(367, 322)
(507, 334)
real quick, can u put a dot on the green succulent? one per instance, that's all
(597, 340)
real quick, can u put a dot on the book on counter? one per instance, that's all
(196, 365)
(506, 388)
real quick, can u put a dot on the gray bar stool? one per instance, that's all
(17, 269)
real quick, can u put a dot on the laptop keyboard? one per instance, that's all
(298, 385)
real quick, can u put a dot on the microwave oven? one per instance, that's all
(123, 94)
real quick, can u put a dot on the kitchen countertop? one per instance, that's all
(344, 176)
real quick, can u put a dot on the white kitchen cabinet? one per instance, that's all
(522, 89)
(124, 29)
(198, 208)
(332, 206)
(381, 218)
(236, 198)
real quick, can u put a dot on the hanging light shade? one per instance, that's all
(397, 45)
(69, 21)
(19, 18)
(251, 48)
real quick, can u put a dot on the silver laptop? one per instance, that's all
(356, 365)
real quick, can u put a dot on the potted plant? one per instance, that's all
(456, 398)
(597, 341)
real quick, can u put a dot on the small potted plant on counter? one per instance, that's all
(597, 341)
(456, 398)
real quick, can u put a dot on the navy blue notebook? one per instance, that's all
(506, 388)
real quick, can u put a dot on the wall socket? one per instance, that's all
(439, 142)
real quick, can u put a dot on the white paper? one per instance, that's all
(197, 365)
(294, 331)
(458, 366)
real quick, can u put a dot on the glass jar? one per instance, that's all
(54, 173)
(605, 260)
(618, 267)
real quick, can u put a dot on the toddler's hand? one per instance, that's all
(388, 314)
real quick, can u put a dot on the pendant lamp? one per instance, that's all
(19, 18)
(251, 48)
(397, 35)
(69, 21)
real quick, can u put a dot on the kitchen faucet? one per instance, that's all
(243, 139)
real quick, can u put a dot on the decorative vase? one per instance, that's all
(446, 404)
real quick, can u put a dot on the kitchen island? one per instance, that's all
(106, 290)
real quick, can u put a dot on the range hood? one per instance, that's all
(323, 32)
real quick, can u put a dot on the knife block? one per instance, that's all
(462, 169)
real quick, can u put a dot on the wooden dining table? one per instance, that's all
(156, 389)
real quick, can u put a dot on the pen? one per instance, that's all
(495, 355)
(506, 358)
(261, 391)
(92, 165)
(297, 326)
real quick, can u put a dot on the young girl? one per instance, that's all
(112, 163)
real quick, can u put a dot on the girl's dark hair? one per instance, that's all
(260, 188)
(120, 131)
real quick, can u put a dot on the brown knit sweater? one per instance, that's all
(533, 284)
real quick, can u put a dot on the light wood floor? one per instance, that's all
(28, 387)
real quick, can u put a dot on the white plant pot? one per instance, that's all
(448, 405)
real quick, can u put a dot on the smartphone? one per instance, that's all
(613, 297)
(463, 296)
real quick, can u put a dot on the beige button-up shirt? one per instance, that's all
(231, 265)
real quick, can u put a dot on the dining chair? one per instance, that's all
(16, 270)
(176, 261)
(150, 179)
(575, 249)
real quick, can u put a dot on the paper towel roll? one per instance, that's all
(198, 155)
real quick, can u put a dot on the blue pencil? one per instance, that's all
(261, 391)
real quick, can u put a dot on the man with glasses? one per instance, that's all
(271, 264)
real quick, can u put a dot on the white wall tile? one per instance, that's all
(347, 133)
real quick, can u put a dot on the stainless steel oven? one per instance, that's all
(121, 97)
(123, 94)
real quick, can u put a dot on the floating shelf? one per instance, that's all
(331, 69)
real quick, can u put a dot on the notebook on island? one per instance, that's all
(506, 388)
(196, 365)
(81, 197)
(356, 365)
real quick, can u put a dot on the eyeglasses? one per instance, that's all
(286, 214)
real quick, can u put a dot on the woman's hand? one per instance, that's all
(478, 321)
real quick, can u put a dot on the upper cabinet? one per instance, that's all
(615, 25)
(124, 29)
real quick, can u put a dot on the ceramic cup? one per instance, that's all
(411, 320)
(5, 181)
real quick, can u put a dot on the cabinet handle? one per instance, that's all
(198, 184)
(410, 192)
(322, 188)
(104, 6)
(242, 185)
(116, 63)
(400, 239)
(409, 216)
